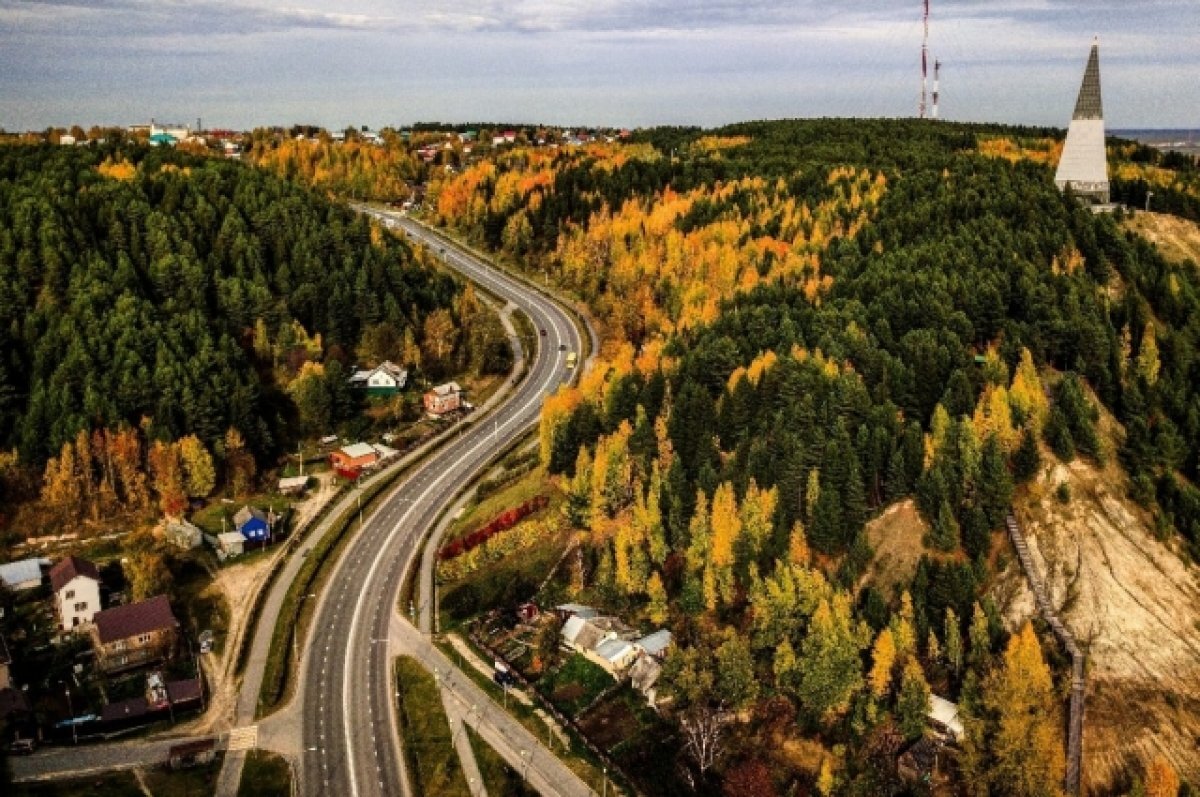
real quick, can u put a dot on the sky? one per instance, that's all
(245, 63)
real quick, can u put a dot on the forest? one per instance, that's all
(805, 322)
(178, 320)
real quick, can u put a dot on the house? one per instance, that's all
(23, 574)
(182, 534)
(386, 453)
(293, 485)
(614, 655)
(134, 634)
(230, 543)
(354, 457)
(163, 140)
(443, 398)
(945, 720)
(919, 763)
(385, 379)
(643, 676)
(566, 611)
(252, 523)
(655, 645)
(602, 640)
(76, 585)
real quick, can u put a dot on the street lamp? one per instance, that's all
(71, 710)
(525, 756)
(1148, 195)
(605, 771)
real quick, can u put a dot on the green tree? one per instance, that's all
(736, 680)
(912, 701)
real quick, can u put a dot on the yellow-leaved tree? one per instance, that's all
(1027, 745)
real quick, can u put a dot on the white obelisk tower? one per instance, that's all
(1084, 166)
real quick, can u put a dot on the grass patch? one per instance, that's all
(480, 512)
(159, 782)
(194, 782)
(432, 764)
(499, 778)
(575, 684)
(577, 757)
(107, 784)
(265, 775)
(509, 581)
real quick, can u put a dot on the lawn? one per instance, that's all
(433, 766)
(574, 685)
(477, 514)
(499, 778)
(265, 775)
(159, 782)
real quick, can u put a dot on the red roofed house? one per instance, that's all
(76, 585)
(129, 636)
(443, 399)
(354, 457)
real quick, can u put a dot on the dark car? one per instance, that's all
(562, 347)
(543, 332)
(22, 747)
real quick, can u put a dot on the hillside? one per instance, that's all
(147, 296)
(1177, 239)
(1131, 602)
(814, 324)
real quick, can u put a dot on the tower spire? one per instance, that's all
(1084, 164)
(924, 61)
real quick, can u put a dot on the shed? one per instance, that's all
(656, 644)
(231, 543)
(23, 574)
(183, 534)
(293, 485)
(251, 522)
(944, 715)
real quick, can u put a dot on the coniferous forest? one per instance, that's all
(151, 290)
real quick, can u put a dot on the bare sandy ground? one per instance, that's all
(1177, 239)
(1132, 603)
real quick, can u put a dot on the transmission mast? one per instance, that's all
(937, 68)
(924, 62)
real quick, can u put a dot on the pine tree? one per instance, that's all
(954, 642)
(979, 636)
(798, 553)
(1027, 458)
(996, 486)
(830, 669)
(903, 627)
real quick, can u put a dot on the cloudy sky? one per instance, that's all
(241, 63)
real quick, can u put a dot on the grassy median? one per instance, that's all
(429, 756)
(265, 774)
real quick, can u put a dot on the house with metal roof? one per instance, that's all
(655, 644)
(24, 573)
(252, 523)
(385, 379)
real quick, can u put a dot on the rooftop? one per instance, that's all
(16, 573)
(359, 450)
(65, 570)
(133, 619)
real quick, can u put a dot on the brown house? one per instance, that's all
(132, 635)
(354, 457)
(443, 398)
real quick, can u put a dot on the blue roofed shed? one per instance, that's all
(252, 523)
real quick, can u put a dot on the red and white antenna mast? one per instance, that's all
(924, 62)
(937, 68)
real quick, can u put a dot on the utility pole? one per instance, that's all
(1148, 195)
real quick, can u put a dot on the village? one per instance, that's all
(96, 647)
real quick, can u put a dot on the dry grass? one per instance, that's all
(1177, 239)
(896, 538)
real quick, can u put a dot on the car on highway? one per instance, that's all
(562, 347)
(22, 747)
(543, 332)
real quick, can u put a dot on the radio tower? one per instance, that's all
(924, 61)
(937, 68)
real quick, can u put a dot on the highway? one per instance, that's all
(346, 695)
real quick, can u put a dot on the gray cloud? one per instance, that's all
(620, 61)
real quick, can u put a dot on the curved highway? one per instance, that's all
(351, 742)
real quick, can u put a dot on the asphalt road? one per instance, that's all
(351, 742)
